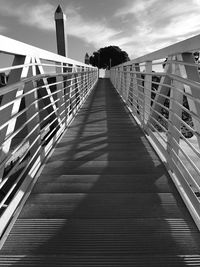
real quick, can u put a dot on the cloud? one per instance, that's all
(139, 27)
(97, 33)
(135, 7)
(40, 15)
(2, 29)
(159, 23)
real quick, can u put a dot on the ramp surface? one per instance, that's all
(103, 199)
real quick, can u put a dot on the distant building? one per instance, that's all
(87, 59)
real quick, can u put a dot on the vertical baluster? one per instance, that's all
(191, 72)
(162, 91)
(121, 81)
(115, 77)
(88, 79)
(15, 76)
(140, 93)
(36, 151)
(128, 81)
(70, 93)
(175, 115)
(130, 89)
(118, 79)
(82, 92)
(62, 112)
(134, 92)
(124, 83)
(147, 92)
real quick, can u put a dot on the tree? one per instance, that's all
(108, 56)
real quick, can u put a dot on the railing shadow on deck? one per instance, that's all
(89, 240)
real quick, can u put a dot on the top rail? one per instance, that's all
(14, 47)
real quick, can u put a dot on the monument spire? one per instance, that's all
(61, 33)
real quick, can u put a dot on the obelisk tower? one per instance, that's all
(87, 59)
(61, 34)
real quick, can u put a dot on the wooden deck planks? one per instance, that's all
(103, 199)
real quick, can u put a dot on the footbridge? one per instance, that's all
(100, 172)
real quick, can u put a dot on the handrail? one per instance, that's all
(188, 45)
(166, 104)
(37, 105)
(14, 47)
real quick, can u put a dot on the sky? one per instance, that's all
(136, 26)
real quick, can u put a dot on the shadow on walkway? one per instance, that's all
(103, 199)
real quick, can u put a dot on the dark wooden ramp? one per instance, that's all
(103, 199)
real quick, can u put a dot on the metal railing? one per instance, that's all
(43, 93)
(162, 91)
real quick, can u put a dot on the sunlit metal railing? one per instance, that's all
(162, 91)
(43, 93)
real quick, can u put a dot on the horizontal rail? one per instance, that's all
(164, 98)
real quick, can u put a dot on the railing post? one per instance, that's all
(88, 78)
(118, 79)
(62, 111)
(174, 125)
(134, 101)
(115, 73)
(128, 81)
(162, 91)
(121, 81)
(124, 83)
(140, 93)
(33, 111)
(130, 87)
(175, 114)
(15, 76)
(82, 92)
(147, 92)
(191, 72)
(115, 77)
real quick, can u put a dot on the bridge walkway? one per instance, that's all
(104, 198)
